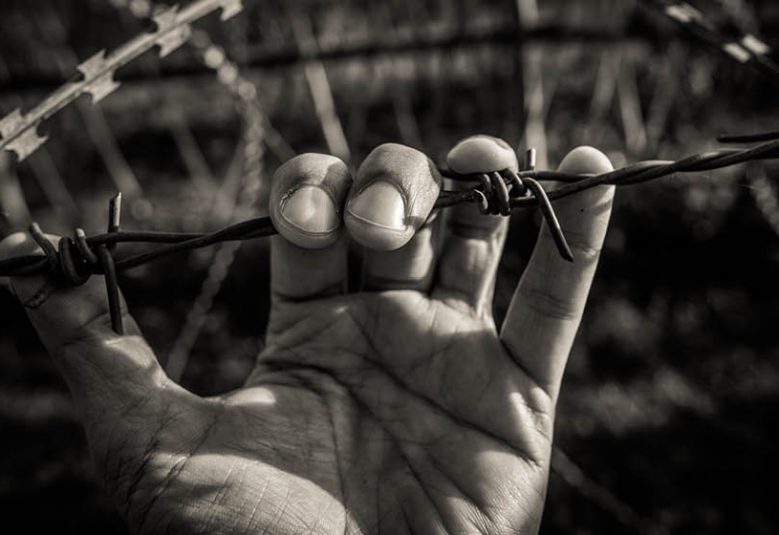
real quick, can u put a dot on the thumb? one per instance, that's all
(110, 376)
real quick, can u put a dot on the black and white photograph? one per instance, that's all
(401, 267)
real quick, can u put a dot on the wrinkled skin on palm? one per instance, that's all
(400, 408)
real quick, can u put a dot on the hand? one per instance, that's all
(397, 409)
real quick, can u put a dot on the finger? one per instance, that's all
(389, 212)
(547, 306)
(111, 376)
(308, 258)
(473, 241)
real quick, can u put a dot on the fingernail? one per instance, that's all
(381, 205)
(311, 210)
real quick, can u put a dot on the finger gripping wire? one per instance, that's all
(70, 264)
(74, 261)
(70, 261)
(76, 258)
(495, 191)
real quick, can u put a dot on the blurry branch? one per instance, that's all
(243, 200)
(531, 65)
(630, 107)
(666, 90)
(242, 89)
(319, 86)
(200, 310)
(603, 94)
(194, 160)
(746, 49)
(260, 57)
(608, 72)
(121, 173)
(223, 205)
(574, 476)
(402, 96)
(408, 126)
(252, 173)
(741, 13)
(53, 186)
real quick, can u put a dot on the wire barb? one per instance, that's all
(495, 193)
(18, 131)
(104, 253)
(551, 218)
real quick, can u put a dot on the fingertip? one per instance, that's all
(16, 244)
(395, 190)
(306, 199)
(481, 154)
(376, 217)
(586, 160)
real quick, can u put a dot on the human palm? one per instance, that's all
(397, 409)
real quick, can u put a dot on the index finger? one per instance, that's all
(109, 375)
(548, 303)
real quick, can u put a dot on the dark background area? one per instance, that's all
(668, 417)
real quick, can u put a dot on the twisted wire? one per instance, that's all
(255, 126)
(79, 257)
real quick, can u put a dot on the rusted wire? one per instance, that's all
(496, 193)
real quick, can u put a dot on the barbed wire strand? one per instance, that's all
(245, 94)
(173, 242)
(225, 256)
(95, 76)
(491, 197)
(747, 49)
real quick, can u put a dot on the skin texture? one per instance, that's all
(399, 408)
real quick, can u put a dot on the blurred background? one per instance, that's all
(668, 420)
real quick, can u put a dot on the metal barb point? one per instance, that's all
(551, 218)
(112, 288)
(530, 159)
(115, 213)
(572, 183)
(104, 253)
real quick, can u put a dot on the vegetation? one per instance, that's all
(668, 416)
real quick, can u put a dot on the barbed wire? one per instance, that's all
(76, 258)
(256, 126)
(95, 76)
(499, 192)
(257, 132)
(745, 47)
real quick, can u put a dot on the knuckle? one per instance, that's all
(324, 170)
(550, 305)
